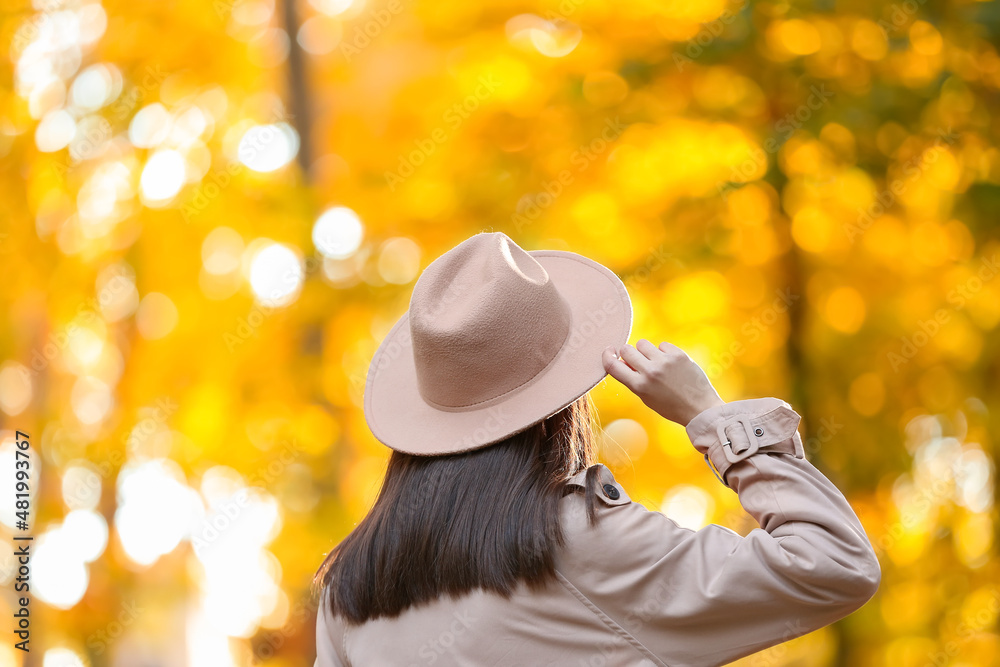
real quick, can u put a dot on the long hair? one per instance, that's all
(488, 518)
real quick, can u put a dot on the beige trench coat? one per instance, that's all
(638, 589)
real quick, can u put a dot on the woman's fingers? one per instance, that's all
(634, 357)
(668, 347)
(648, 350)
(617, 368)
(666, 379)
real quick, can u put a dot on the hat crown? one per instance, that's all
(484, 320)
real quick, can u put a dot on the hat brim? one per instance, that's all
(601, 315)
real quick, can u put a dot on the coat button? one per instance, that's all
(611, 492)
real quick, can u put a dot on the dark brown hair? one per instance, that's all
(488, 518)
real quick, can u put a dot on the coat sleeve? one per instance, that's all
(329, 634)
(697, 598)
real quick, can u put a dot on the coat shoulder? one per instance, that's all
(625, 535)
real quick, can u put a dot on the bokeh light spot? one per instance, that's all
(157, 316)
(266, 148)
(399, 260)
(338, 233)
(690, 506)
(276, 274)
(163, 176)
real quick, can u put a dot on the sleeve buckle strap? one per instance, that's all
(728, 447)
(773, 431)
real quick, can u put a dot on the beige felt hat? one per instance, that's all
(496, 339)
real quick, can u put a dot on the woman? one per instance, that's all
(497, 539)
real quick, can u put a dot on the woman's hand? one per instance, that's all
(665, 378)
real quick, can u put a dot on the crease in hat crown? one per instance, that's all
(485, 319)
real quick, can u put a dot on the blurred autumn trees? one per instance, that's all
(213, 213)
